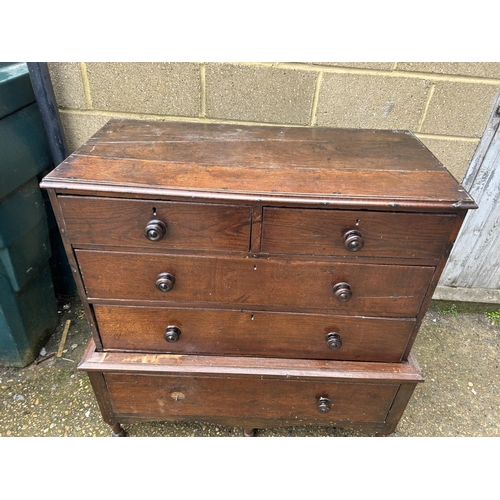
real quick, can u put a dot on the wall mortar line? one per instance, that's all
(446, 137)
(392, 73)
(203, 98)
(172, 118)
(122, 114)
(426, 107)
(86, 84)
(314, 107)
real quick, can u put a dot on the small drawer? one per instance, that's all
(252, 333)
(156, 224)
(355, 233)
(331, 287)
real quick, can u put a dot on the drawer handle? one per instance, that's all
(333, 341)
(155, 230)
(324, 405)
(172, 334)
(353, 241)
(165, 282)
(342, 291)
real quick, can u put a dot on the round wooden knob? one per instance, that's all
(333, 341)
(353, 241)
(172, 334)
(324, 405)
(155, 230)
(165, 282)
(342, 291)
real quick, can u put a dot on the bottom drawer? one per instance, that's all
(250, 392)
(158, 396)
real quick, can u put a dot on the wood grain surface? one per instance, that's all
(153, 396)
(244, 282)
(377, 167)
(252, 333)
(320, 232)
(196, 226)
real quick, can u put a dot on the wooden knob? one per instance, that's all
(353, 241)
(155, 230)
(342, 291)
(165, 282)
(324, 405)
(333, 341)
(172, 334)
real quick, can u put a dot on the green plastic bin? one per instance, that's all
(28, 307)
(28, 318)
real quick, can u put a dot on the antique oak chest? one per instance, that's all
(254, 276)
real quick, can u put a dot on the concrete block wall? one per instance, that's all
(446, 105)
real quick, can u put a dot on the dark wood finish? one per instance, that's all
(243, 282)
(267, 392)
(434, 281)
(381, 168)
(101, 391)
(254, 276)
(117, 430)
(276, 184)
(250, 367)
(189, 225)
(256, 229)
(252, 333)
(321, 232)
(158, 395)
(59, 216)
(403, 396)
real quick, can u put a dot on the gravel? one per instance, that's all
(458, 351)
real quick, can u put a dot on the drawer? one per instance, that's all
(252, 333)
(164, 396)
(334, 232)
(377, 290)
(117, 222)
(249, 391)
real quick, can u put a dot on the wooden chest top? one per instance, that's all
(376, 169)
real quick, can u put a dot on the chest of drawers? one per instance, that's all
(254, 276)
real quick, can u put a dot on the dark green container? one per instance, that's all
(28, 307)
(28, 318)
(24, 236)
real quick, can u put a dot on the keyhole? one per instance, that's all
(154, 211)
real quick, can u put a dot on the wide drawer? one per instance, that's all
(252, 333)
(117, 222)
(155, 387)
(355, 233)
(157, 396)
(377, 290)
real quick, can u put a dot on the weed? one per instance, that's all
(451, 310)
(495, 317)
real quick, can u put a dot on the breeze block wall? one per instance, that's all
(446, 105)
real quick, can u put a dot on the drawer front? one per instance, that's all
(157, 396)
(376, 290)
(379, 234)
(252, 333)
(116, 222)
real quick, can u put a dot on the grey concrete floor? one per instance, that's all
(457, 348)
